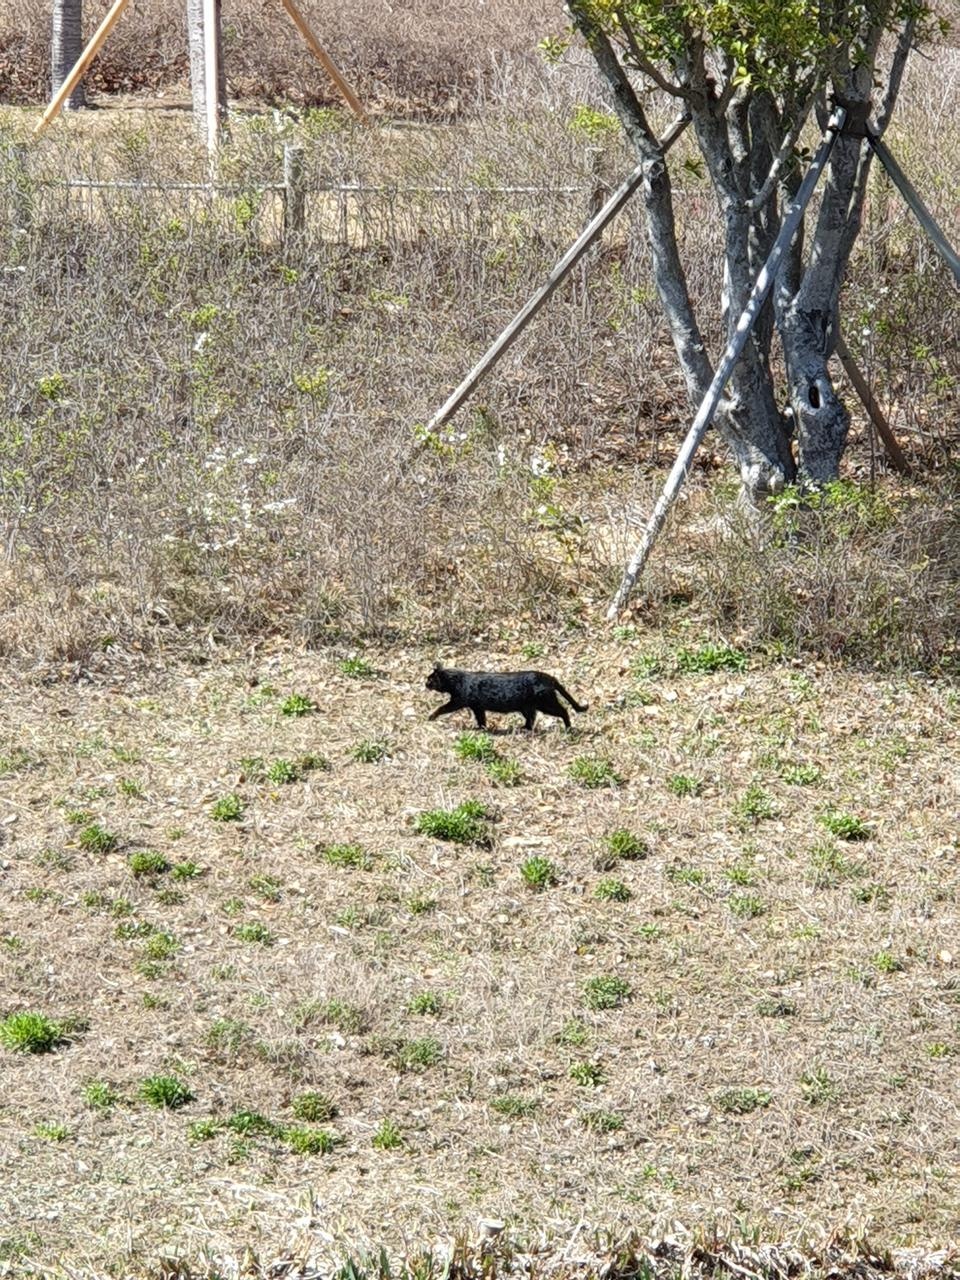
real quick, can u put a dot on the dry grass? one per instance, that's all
(421, 57)
(836, 992)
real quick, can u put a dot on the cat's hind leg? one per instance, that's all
(551, 705)
(481, 717)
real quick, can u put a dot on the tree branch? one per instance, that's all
(643, 63)
(668, 273)
(786, 148)
(897, 66)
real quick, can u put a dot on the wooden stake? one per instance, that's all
(897, 459)
(80, 66)
(321, 55)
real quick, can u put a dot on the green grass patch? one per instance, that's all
(466, 824)
(31, 1033)
(594, 772)
(606, 992)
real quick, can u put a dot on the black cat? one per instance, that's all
(525, 691)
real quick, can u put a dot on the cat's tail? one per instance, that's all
(572, 700)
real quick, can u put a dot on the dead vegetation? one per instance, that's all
(212, 435)
(420, 57)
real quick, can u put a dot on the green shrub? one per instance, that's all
(475, 746)
(425, 1003)
(283, 772)
(845, 826)
(254, 931)
(357, 668)
(96, 840)
(589, 1075)
(742, 1100)
(387, 1137)
(681, 784)
(538, 873)
(309, 1142)
(594, 772)
(417, 1055)
(147, 863)
(709, 658)
(622, 843)
(315, 1108)
(514, 1107)
(602, 1121)
(347, 855)
(228, 808)
(611, 890)
(297, 704)
(504, 773)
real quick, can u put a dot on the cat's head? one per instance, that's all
(435, 679)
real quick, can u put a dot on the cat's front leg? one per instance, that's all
(452, 705)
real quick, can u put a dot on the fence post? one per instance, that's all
(21, 202)
(294, 192)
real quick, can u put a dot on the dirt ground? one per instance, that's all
(751, 1022)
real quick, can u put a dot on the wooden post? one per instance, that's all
(897, 459)
(80, 67)
(20, 186)
(293, 190)
(211, 79)
(708, 407)
(321, 55)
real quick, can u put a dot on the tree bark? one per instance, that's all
(66, 48)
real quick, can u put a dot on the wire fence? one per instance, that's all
(354, 209)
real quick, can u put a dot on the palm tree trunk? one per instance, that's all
(66, 48)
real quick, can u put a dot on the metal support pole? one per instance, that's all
(731, 355)
(920, 210)
(559, 273)
(211, 78)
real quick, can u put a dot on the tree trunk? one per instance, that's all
(66, 48)
(198, 68)
(749, 136)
